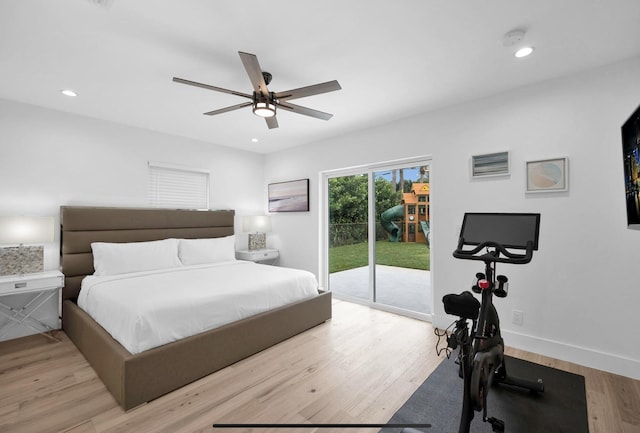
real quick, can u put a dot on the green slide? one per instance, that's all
(426, 230)
(386, 220)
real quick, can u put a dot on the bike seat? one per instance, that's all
(464, 305)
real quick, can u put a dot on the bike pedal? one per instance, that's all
(500, 293)
(497, 425)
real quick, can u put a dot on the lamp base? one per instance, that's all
(257, 241)
(21, 260)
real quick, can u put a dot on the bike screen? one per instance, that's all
(511, 230)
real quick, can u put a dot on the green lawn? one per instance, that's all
(406, 255)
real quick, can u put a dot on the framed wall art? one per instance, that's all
(292, 196)
(548, 175)
(490, 164)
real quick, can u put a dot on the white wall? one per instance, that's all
(50, 158)
(580, 293)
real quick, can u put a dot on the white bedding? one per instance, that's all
(144, 310)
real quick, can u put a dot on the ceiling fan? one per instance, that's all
(264, 102)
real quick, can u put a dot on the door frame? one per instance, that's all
(323, 241)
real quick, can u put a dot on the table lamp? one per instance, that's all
(258, 226)
(20, 230)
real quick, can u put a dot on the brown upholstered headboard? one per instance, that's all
(82, 225)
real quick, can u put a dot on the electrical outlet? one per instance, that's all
(518, 317)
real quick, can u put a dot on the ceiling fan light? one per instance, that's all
(264, 109)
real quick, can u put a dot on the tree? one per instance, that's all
(348, 206)
(386, 196)
(348, 199)
(424, 174)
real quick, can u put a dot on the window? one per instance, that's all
(174, 186)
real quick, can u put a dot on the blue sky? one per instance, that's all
(412, 173)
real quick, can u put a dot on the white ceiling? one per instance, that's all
(393, 59)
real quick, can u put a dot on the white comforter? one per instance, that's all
(144, 310)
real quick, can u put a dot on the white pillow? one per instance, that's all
(121, 258)
(197, 251)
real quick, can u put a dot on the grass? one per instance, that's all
(401, 254)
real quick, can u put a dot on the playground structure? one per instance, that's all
(409, 221)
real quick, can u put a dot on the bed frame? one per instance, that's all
(136, 379)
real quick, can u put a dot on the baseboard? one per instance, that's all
(611, 363)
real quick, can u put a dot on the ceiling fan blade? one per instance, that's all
(306, 111)
(207, 86)
(231, 108)
(251, 65)
(316, 89)
(272, 122)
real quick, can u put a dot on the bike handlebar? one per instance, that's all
(494, 256)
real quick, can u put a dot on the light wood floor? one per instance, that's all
(359, 367)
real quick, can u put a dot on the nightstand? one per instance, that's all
(266, 256)
(37, 289)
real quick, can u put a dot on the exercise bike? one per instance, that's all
(489, 236)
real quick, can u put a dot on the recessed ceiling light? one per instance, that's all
(524, 52)
(254, 140)
(68, 92)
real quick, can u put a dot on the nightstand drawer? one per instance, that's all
(30, 282)
(265, 255)
(257, 255)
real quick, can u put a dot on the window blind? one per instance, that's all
(173, 186)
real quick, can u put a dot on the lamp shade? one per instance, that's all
(26, 230)
(256, 223)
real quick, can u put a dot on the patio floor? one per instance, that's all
(405, 288)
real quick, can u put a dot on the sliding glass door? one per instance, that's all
(378, 233)
(348, 235)
(402, 255)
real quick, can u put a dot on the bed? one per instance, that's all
(134, 379)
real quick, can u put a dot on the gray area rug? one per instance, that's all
(562, 408)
